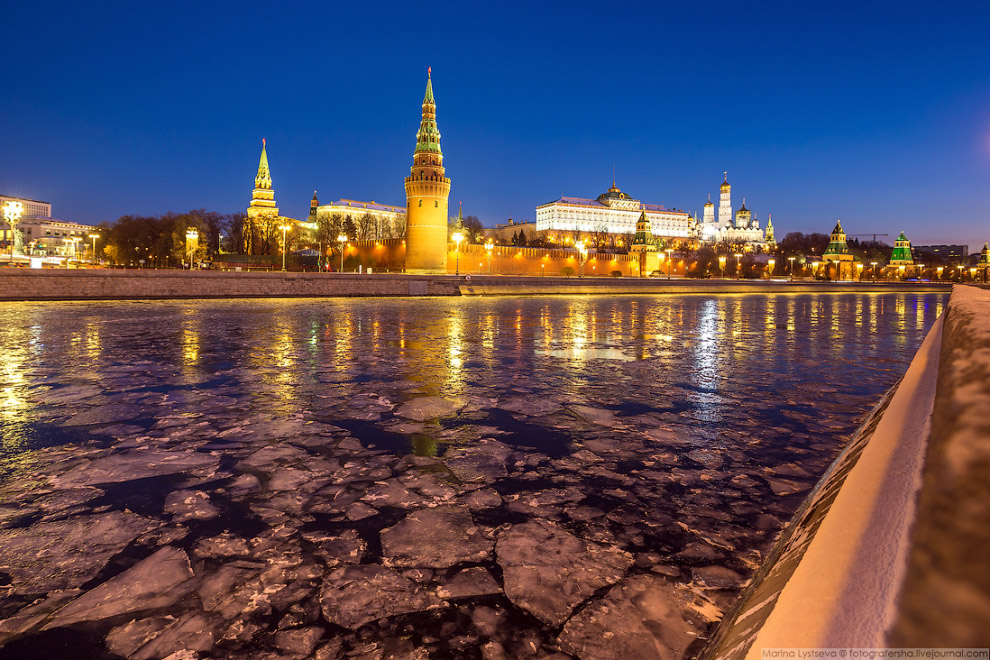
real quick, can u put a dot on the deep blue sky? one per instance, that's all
(874, 113)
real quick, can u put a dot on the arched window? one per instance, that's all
(437, 203)
(420, 202)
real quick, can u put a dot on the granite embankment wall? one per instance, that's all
(890, 549)
(98, 284)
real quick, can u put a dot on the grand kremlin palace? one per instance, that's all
(614, 212)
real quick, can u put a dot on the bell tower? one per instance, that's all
(427, 191)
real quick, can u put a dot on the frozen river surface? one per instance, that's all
(434, 478)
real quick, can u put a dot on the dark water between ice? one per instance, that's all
(275, 442)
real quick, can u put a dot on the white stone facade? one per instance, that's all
(613, 212)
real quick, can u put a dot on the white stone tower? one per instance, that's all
(725, 203)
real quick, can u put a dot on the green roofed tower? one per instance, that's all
(901, 256)
(837, 245)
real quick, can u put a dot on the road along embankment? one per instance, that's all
(889, 549)
(101, 284)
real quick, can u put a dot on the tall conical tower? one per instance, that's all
(984, 256)
(427, 191)
(263, 197)
(725, 202)
(769, 235)
(837, 246)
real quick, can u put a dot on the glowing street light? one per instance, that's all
(12, 212)
(192, 238)
(94, 237)
(873, 264)
(457, 237)
(814, 269)
(721, 265)
(583, 251)
(770, 264)
(669, 251)
(791, 259)
(859, 267)
(342, 239)
(285, 229)
(489, 246)
(738, 256)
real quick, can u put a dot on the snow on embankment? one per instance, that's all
(890, 547)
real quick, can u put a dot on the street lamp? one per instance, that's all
(859, 267)
(791, 259)
(669, 251)
(873, 264)
(738, 256)
(770, 264)
(721, 265)
(583, 251)
(814, 269)
(192, 238)
(285, 229)
(489, 246)
(342, 239)
(12, 212)
(94, 237)
(457, 238)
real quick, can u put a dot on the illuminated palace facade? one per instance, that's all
(612, 212)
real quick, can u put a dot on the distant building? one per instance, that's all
(32, 207)
(43, 235)
(744, 229)
(391, 219)
(612, 212)
(505, 232)
(901, 255)
(950, 253)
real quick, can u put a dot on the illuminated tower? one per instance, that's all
(427, 190)
(901, 256)
(263, 197)
(709, 216)
(769, 237)
(743, 216)
(313, 205)
(725, 203)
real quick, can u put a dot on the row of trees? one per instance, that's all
(163, 240)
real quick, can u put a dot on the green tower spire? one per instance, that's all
(264, 178)
(428, 135)
(837, 244)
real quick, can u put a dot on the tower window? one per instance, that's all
(436, 204)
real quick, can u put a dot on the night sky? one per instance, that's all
(873, 113)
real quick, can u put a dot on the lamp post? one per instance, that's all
(457, 237)
(94, 237)
(791, 259)
(738, 257)
(583, 252)
(285, 229)
(489, 246)
(939, 271)
(192, 238)
(721, 265)
(770, 264)
(669, 251)
(814, 269)
(859, 267)
(342, 239)
(873, 264)
(12, 212)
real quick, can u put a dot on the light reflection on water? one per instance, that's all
(713, 353)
